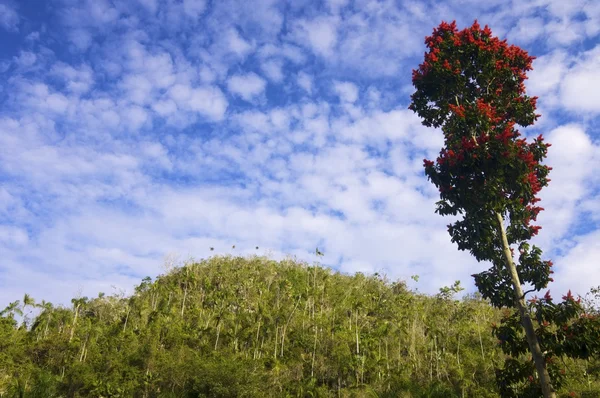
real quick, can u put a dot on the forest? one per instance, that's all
(255, 327)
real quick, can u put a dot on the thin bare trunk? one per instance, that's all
(81, 357)
(276, 341)
(314, 353)
(126, 319)
(480, 342)
(257, 335)
(46, 328)
(218, 332)
(286, 325)
(74, 323)
(458, 352)
(356, 333)
(183, 302)
(534, 345)
(437, 358)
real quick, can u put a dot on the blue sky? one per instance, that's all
(139, 133)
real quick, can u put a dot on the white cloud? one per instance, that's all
(580, 87)
(208, 101)
(10, 235)
(94, 13)
(527, 30)
(320, 34)
(237, 44)
(336, 5)
(77, 79)
(81, 38)
(246, 86)
(164, 107)
(369, 40)
(348, 92)
(41, 98)
(287, 51)
(25, 59)
(151, 5)
(273, 70)
(305, 81)
(564, 32)
(9, 18)
(548, 70)
(135, 116)
(578, 269)
(574, 158)
(138, 88)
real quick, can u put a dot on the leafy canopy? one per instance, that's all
(471, 84)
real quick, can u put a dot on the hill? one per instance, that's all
(254, 327)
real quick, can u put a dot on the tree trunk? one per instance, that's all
(534, 345)
(218, 332)
(126, 319)
(74, 323)
(46, 328)
(183, 302)
(286, 325)
(314, 355)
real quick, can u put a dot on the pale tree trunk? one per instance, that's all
(285, 326)
(126, 318)
(47, 323)
(74, 323)
(83, 349)
(183, 302)
(534, 345)
(218, 332)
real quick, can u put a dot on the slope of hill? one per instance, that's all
(253, 327)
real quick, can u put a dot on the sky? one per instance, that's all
(137, 134)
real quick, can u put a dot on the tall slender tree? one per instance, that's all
(471, 84)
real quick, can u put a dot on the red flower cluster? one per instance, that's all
(568, 297)
(507, 134)
(512, 58)
(459, 110)
(487, 111)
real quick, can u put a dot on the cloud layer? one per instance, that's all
(135, 130)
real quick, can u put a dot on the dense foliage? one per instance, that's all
(471, 84)
(253, 327)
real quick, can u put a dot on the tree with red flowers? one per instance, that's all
(471, 84)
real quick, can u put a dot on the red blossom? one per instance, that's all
(486, 110)
(459, 110)
(483, 138)
(568, 297)
(506, 134)
(467, 144)
(527, 157)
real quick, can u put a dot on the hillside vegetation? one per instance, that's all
(254, 327)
